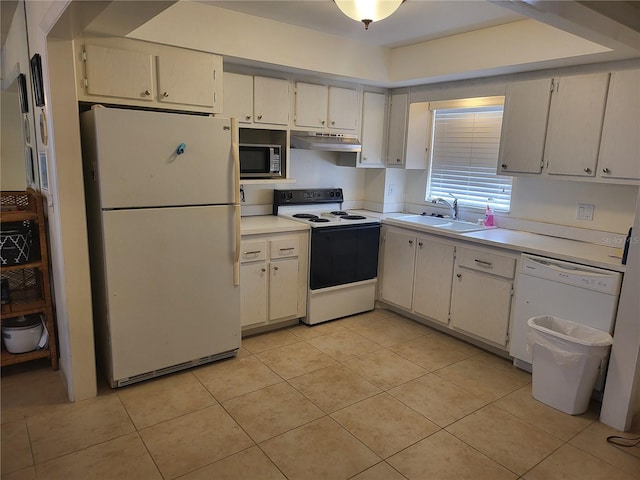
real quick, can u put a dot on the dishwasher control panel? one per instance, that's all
(591, 278)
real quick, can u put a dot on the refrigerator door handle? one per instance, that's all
(236, 192)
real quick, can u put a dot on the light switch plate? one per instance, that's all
(585, 211)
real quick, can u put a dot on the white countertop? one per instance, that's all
(559, 248)
(269, 224)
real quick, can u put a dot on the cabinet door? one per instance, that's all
(271, 100)
(620, 147)
(253, 293)
(481, 305)
(373, 108)
(524, 126)
(238, 97)
(112, 72)
(311, 105)
(432, 284)
(418, 136)
(283, 289)
(575, 124)
(343, 108)
(397, 129)
(190, 78)
(397, 268)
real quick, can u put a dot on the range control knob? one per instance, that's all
(289, 196)
(283, 195)
(332, 194)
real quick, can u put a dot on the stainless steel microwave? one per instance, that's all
(260, 161)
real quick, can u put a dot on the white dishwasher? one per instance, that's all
(545, 286)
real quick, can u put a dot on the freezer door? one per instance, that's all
(135, 156)
(169, 287)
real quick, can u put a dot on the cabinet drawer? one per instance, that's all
(252, 251)
(486, 262)
(286, 247)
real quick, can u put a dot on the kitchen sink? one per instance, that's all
(460, 226)
(424, 220)
(457, 226)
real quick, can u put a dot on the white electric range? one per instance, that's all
(344, 252)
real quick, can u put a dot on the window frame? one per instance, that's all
(470, 203)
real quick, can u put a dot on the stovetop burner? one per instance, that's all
(353, 217)
(305, 215)
(339, 213)
(320, 220)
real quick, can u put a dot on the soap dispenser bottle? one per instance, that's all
(488, 217)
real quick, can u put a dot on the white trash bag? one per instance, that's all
(567, 358)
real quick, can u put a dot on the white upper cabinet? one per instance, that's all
(575, 124)
(271, 100)
(524, 126)
(322, 107)
(189, 78)
(409, 133)
(397, 128)
(104, 68)
(136, 73)
(256, 99)
(343, 108)
(373, 110)
(238, 97)
(620, 146)
(311, 105)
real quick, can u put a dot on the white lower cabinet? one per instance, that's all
(399, 251)
(432, 278)
(273, 279)
(416, 272)
(481, 294)
(443, 281)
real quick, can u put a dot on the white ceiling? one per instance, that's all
(415, 21)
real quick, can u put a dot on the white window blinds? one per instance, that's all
(464, 157)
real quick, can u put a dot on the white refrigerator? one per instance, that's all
(162, 193)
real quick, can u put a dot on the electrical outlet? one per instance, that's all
(390, 189)
(585, 212)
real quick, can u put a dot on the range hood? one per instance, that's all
(328, 142)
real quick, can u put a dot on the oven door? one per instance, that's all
(343, 254)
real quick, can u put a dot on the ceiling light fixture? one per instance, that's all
(367, 11)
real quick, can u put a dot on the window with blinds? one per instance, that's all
(464, 155)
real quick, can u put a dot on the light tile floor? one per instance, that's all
(370, 397)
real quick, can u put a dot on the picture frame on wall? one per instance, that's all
(36, 78)
(22, 93)
(44, 174)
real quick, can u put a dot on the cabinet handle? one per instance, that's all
(322, 122)
(333, 122)
(482, 263)
(420, 244)
(165, 94)
(288, 249)
(459, 275)
(504, 165)
(259, 117)
(263, 269)
(397, 160)
(410, 242)
(606, 170)
(275, 268)
(247, 117)
(587, 170)
(147, 93)
(253, 252)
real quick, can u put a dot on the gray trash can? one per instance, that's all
(567, 358)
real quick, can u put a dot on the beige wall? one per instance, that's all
(65, 199)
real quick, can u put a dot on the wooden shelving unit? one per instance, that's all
(30, 283)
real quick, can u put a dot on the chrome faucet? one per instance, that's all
(452, 206)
